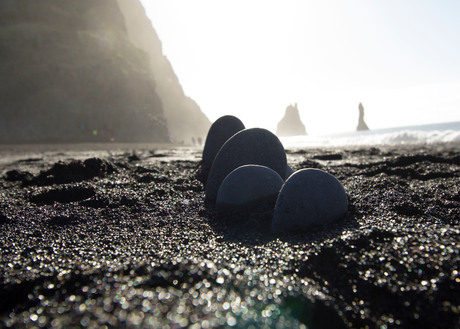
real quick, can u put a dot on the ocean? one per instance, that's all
(422, 134)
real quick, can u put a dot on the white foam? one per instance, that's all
(436, 133)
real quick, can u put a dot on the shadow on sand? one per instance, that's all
(253, 228)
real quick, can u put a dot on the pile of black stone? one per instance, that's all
(246, 170)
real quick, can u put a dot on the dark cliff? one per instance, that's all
(291, 124)
(184, 117)
(70, 71)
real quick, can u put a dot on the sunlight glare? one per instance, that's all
(254, 58)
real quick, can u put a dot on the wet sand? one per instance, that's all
(118, 236)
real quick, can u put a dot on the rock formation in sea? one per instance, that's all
(70, 71)
(291, 124)
(361, 124)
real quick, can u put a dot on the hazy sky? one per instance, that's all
(252, 58)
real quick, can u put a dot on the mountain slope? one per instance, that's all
(78, 71)
(184, 117)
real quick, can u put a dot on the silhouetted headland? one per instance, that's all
(88, 71)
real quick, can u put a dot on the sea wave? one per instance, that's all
(426, 134)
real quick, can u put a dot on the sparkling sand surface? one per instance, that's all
(119, 236)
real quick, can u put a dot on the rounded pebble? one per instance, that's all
(248, 187)
(250, 146)
(221, 130)
(309, 196)
(288, 172)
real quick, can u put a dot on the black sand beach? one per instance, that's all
(119, 237)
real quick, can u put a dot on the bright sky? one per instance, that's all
(252, 58)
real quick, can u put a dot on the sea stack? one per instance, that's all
(291, 124)
(361, 124)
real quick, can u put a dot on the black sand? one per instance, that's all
(121, 238)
